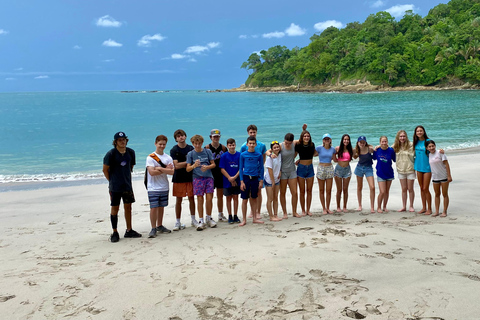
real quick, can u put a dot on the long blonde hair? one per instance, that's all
(397, 145)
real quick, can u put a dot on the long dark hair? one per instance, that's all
(310, 143)
(341, 147)
(415, 138)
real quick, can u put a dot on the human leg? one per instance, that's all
(411, 193)
(388, 184)
(436, 189)
(359, 192)
(404, 186)
(321, 191)
(427, 176)
(381, 192)
(328, 194)
(446, 198)
(309, 194)
(269, 190)
(371, 186)
(276, 190)
(301, 186)
(292, 185)
(283, 194)
(338, 183)
(345, 184)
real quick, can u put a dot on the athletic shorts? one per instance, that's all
(158, 199)
(217, 179)
(408, 176)
(440, 181)
(126, 196)
(202, 186)
(343, 172)
(182, 189)
(361, 171)
(251, 187)
(325, 172)
(383, 180)
(304, 171)
(227, 192)
(288, 175)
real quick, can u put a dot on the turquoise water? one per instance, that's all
(64, 135)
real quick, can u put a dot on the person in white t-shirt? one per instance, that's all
(441, 176)
(159, 165)
(272, 180)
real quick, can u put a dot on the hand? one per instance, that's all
(296, 162)
(204, 168)
(260, 184)
(376, 148)
(197, 163)
(234, 183)
(304, 127)
(242, 186)
(449, 179)
(170, 166)
(370, 149)
(273, 156)
(442, 151)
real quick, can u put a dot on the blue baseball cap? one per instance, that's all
(362, 138)
(326, 135)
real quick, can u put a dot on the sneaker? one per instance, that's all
(132, 234)
(153, 233)
(230, 219)
(115, 237)
(162, 229)
(194, 223)
(200, 226)
(236, 220)
(211, 223)
(178, 226)
(221, 217)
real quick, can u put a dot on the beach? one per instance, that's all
(57, 261)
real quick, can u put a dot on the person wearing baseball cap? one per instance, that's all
(117, 167)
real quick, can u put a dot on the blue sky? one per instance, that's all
(70, 45)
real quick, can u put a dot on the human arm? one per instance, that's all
(179, 165)
(447, 167)
(208, 167)
(106, 172)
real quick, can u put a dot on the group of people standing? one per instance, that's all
(198, 170)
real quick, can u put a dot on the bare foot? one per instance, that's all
(309, 214)
(242, 223)
(443, 215)
(422, 211)
(402, 210)
(339, 210)
(285, 216)
(385, 210)
(435, 214)
(324, 211)
(275, 219)
(372, 210)
(250, 216)
(257, 221)
(379, 211)
(297, 215)
(411, 209)
(303, 214)
(429, 212)
(329, 211)
(258, 217)
(345, 210)
(359, 209)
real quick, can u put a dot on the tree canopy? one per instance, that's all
(442, 46)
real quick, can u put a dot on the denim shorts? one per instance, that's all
(383, 180)
(288, 175)
(158, 198)
(269, 185)
(325, 172)
(361, 171)
(342, 172)
(304, 171)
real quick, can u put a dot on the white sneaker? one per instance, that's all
(221, 217)
(201, 226)
(178, 226)
(211, 223)
(194, 223)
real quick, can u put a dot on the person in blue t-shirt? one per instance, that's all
(229, 163)
(251, 179)
(260, 148)
(385, 157)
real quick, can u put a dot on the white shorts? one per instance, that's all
(408, 176)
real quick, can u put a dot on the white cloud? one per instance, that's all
(243, 36)
(108, 60)
(18, 69)
(9, 79)
(146, 41)
(2, 31)
(294, 30)
(275, 34)
(178, 56)
(42, 77)
(196, 49)
(192, 60)
(320, 26)
(212, 45)
(107, 21)
(77, 47)
(111, 43)
(377, 4)
(399, 10)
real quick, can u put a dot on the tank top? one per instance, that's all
(288, 159)
(365, 160)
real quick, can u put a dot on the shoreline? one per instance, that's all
(351, 87)
(138, 175)
(57, 261)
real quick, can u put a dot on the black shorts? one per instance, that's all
(251, 187)
(217, 179)
(126, 196)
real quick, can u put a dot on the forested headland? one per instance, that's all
(440, 49)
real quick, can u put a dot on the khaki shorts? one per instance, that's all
(183, 189)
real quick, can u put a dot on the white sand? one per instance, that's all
(57, 261)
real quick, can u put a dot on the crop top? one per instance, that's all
(345, 157)
(305, 151)
(325, 155)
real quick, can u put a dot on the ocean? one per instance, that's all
(63, 136)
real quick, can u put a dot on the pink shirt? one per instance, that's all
(345, 157)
